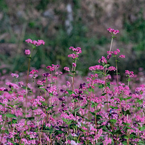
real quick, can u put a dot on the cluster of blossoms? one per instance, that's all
(102, 60)
(34, 42)
(53, 67)
(111, 68)
(27, 52)
(67, 69)
(122, 56)
(33, 74)
(93, 111)
(77, 50)
(76, 53)
(96, 67)
(112, 31)
(33, 71)
(130, 73)
(14, 75)
(116, 52)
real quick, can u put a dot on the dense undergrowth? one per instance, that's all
(53, 108)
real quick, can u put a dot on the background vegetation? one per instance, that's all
(46, 19)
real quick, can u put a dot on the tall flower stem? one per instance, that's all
(116, 70)
(111, 43)
(27, 81)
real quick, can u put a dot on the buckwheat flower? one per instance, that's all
(112, 31)
(122, 56)
(66, 68)
(74, 64)
(27, 52)
(107, 141)
(73, 142)
(14, 75)
(116, 32)
(28, 41)
(111, 68)
(109, 52)
(115, 52)
(71, 47)
(68, 83)
(118, 50)
(109, 56)
(40, 42)
(103, 60)
(34, 42)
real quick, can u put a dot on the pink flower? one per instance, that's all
(115, 52)
(66, 68)
(74, 64)
(112, 31)
(34, 42)
(27, 52)
(14, 75)
(40, 42)
(103, 60)
(111, 68)
(118, 50)
(28, 41)
(122, 56)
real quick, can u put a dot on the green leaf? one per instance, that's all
(113, 107)
(73, 72)
(142, 128)
(30, 118)
(57, 132)
(10, 115)
(49, 108)
(129, 80)
(94, 104)
(113, 120)
(70, 75)
(86, 92)
(108, 84)
(70, 92)
(91, 89)
(101, 86)
(126, 137)
(42, 89)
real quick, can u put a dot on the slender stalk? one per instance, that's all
(116, 71)
(111, 43)
(27, 82)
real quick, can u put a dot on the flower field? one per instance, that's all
(52, 108)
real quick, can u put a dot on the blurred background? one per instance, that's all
(65, 23)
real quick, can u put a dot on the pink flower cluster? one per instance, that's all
(27, 52)
(14, 75)
(73, 56)
(74, 64)
(66, 68)
(111, 68)
(96, 67)
(130, 73)
(33, 71)
(122, 56)
(51, 68)
(112, 31)
(102, 60)
(34, 42)
(77, 50)
(76, 53)
(116, 52)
